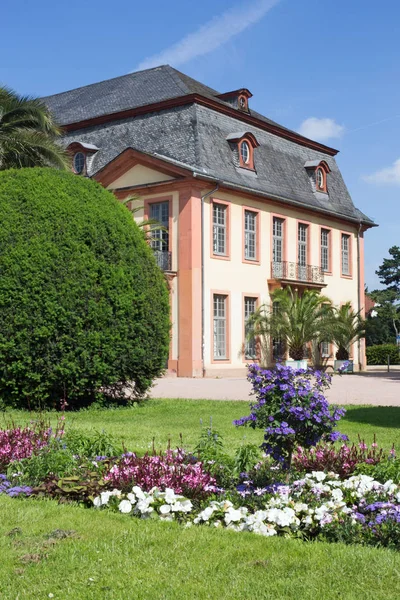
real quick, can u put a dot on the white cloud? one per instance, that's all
(389, 175)
(211, 35)
(321, 129)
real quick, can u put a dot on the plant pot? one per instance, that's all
(297, 364)
(339, 363)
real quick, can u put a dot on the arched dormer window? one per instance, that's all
(80, 152)
(245, 143)
(320, 170)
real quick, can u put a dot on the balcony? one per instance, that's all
(291, 272)
(163, 259)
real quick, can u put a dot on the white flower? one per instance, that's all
(233, 515)
(165, 509)
(139, 493)
(318, 475)
(337, 495)
(327, 518)
(188, 524)
(125, 506)
(184, 506)
(169, 496)
(167, 517)
(144, 507)
(300, 507)
(131, 497)
(206, 513)
(97, 502)
(308, 520)
(264, 529)
(389, 487)
(320, 512)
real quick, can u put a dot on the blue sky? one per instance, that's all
(329, 69)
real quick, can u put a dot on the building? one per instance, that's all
(247, 205)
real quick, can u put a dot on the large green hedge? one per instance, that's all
(84, 309)
(378, 355)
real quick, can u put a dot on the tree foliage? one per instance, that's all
(28, 133)
(295, 319)
(84, 309)
(385, 324)
(348, 328)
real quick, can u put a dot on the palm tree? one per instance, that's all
(294, 319)
(349, 327)
(28, 134)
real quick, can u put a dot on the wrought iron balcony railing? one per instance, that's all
(163, 259)
(295, 272)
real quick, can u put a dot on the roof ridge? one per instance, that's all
(83, 87)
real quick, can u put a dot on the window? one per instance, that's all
(79, 162)
(345, 254)
(321, 180)
(324, 349)
(325, 266)
(243, 102)
(220, 229)
(302, 244)
(250, 235)
(277, 246)
(250, 306)
(159, 212)
(245, 153)
(302, 250)
(220, 327)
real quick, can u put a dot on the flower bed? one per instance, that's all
(305, 486)
(359, 505)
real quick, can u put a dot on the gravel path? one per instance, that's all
(375, 388)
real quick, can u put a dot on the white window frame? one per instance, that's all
(220, 327)
(220, 227)
(345, 254)
(250, 349)
(250, 235)
(325, 262)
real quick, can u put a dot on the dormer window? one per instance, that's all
(243, 144)
(318, 171)
(79, 162)
(238, 99)
(244, 153)
(321, 180)
(82, 155)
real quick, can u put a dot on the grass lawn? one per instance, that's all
(164, 420)
(116, 557)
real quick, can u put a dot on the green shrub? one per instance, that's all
(84, 309)
(378, 355)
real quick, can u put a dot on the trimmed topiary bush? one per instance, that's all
(377, 355)
(84, 309)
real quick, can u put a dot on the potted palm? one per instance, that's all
(349, 327)
(295, 320)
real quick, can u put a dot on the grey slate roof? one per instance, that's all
(198, 137)
(127, 92)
